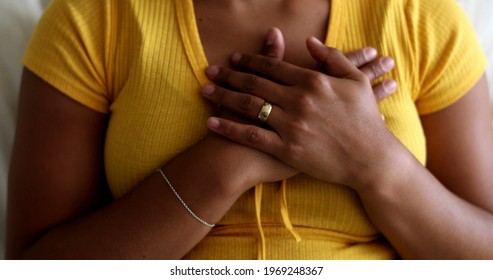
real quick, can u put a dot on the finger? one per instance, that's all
(270, 68)
(334, 62)
(246, 104)
(384, 89)
(274, 44)
(246, 83)
(378, 67)
(362, 56)
(249, 135)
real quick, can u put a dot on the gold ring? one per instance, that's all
(264, 112)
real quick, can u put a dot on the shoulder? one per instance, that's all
(70, 49)
(83, 13)
(443, 45)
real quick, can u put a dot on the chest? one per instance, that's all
(230, 26)
(158, 111)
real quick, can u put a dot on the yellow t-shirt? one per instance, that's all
(142, 62)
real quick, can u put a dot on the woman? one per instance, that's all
(354, 178)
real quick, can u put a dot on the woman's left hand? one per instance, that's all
(325, 125)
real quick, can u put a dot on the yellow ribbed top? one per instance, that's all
(143, 62)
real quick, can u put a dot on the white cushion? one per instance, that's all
(17, 20)
(479, 12)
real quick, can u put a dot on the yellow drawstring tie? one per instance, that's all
(284, 213)
(258, 205)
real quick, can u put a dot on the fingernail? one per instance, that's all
(213, 123)
(235, 58)
(271, 37)
(315, 40)
(212, 71)
(387, 63)
(390, 85)
(208, 89)
(370, 53)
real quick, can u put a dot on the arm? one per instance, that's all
(57, 177)
(56, 174)
(423, 216)
(448, 209)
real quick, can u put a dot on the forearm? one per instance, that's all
(150, 222)
(424, 220)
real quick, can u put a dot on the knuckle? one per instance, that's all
(304, 103)
(254, 137)
(227, 129)
(316, 79)
(361, 59)
(220, 93)
(269, 65)
(376, 71)
(357, 58)
(247, 103)
(318, 82)
(353, 58)
(299, 126)
(224, 75)
(245, 60)
(250, 83)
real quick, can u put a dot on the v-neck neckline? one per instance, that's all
(194, 49)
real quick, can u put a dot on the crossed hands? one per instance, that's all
(325, 124)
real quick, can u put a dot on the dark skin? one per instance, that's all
(459, 157)
(440, 212)
(54, 212)
(238, 20)
(51, 213)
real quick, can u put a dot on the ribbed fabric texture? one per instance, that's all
(142, 62)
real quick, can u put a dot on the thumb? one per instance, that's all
(274, 44)
(332, 60)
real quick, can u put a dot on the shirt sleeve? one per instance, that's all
(450, 58)
(70, 48)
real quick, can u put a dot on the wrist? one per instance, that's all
(396, 165)
(245, 167)
(228, 167)
(206, 179)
